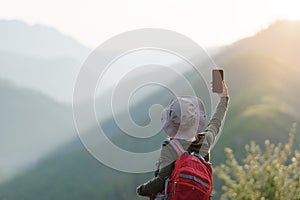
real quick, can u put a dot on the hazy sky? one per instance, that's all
(210, 22)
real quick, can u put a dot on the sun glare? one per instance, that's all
(288, 9)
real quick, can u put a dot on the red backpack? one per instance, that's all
(191, 178)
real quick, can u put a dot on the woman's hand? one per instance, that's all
(225, 90)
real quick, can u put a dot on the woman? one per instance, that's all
(184, 119)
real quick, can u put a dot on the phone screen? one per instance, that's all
(217, 77)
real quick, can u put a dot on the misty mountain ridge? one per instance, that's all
(40, 58)
(39, 41)
(31, 125)
(281, 40)
(52, 72)
(53, 77)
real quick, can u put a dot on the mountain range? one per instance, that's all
(40, 58)
(261, 72)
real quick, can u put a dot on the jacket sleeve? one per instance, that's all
(156, 185)
(215, 122)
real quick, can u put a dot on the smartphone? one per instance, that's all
(217, 78)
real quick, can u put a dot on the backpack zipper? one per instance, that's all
(175, 187)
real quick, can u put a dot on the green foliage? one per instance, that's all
(271, 174)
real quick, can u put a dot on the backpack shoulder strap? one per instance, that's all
(166, 142)
(177, 146)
